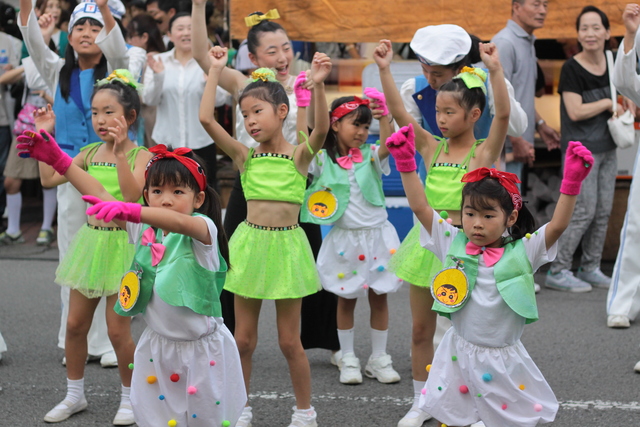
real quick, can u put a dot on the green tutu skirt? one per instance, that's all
(96, 260)
(271, 264)
(413, 263)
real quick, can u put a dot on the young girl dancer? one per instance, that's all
(459, 104)
(96, 47)
(186, 354)
(347, 192)
(270, 255)
(98, 255)
(481, 370)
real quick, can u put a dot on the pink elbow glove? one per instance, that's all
(303, 95)
(44, 148)
(107, 211)
(377, 97)
(577, 165)
(402, 146)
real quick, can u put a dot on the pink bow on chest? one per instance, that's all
(491, 255)
(157, 249)
(354, 155)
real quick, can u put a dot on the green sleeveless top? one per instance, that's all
(272, 176)
(443, 186)
(178, 279)
(106, 173)
(513, 274)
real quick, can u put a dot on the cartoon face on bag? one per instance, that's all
(125, 296)
(447, 294)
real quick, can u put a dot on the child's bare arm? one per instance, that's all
(500, 124)
(320, 69)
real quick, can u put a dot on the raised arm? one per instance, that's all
(401, 145)
(131, 182)
(320, 69)
(625, 77)
(500, 123)
(380, 112)
(199, 39)
(577, 165)
(383, 55)
(233, 148)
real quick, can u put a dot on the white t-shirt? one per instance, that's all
(486, 319)
(359, 213)
(182, 323)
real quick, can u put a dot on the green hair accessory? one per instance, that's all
(123, 76)
(264, 74)
(473, 77)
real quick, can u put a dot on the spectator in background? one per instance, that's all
(585, 108)
(162, 11)
(518, 57)
(143, 32)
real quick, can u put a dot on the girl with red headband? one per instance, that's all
(481, 371)
(459, 105)
(98, 255)
(347, 193)
(270, 254)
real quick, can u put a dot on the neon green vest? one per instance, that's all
(178, 279)
(513, 274)
(336, 179)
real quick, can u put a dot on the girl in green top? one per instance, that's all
(99, 254)
(459, 105)
(269, 253)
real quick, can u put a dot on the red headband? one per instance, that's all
(346, 108)
(194, 167)
(506, 179)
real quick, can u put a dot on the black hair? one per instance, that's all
(473, 56)
(361, 115)
(145, 24)
(8, 22)
(127, 97)
(166, 5)
(253, 36)
(177, 16)
(70, 62)
(603, 18)
(481, 193)
(270, 91)
(450, 287)
(169, 171)
(468, 98)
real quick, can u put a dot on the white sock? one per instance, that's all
(49, 201)
(345, 336)
(378, 342)
(14, 206)
(417, 391)
(75, 390)
(125, 396)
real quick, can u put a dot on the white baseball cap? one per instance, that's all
(441, 44)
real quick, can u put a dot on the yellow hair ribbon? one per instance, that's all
(252, 20)
(264, 74)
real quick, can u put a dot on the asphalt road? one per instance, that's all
(589, 366)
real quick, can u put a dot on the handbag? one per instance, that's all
(620, 126)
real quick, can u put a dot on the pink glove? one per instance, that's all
(377, 97)
(44, 148)
(402, 146)
(303, 95)
(577, 165)
(107, 211)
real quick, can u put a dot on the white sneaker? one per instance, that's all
(566, 281)
(124, 416)
(618, 321)
(350, 369)
(64, 410)
(304, 417)
(245, 417)
(109, 360)
(414, 418)
(595, 278)
(381, 368)
(536, 288)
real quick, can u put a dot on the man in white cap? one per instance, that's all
(518, 57)
(442, 51)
